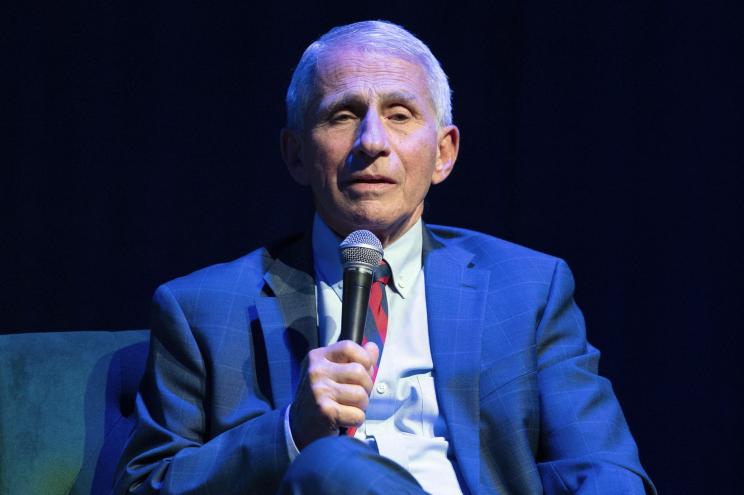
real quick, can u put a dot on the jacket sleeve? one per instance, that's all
(171, 449)
(585, 444)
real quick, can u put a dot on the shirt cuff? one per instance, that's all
(291, 447)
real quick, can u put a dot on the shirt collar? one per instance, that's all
(403, 256)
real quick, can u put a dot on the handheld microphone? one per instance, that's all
(361, 252)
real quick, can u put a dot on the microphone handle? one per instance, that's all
(357, 283)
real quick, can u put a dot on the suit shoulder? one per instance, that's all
(511, 266)
(479, 242)
(242, 275)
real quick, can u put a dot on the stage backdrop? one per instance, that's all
(141, 143)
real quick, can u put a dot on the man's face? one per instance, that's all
(371, 145)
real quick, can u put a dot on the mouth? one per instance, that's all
(369, 179)
(369, 185)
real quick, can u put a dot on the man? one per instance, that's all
(486, 383)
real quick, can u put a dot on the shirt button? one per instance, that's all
(381, 388)
(401, 283)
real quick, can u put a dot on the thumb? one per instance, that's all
(374, 354)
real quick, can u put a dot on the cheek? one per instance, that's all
(322, 170)
(329, 162)
(421, 164)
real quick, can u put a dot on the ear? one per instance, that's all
(448, 146)
(290, 142)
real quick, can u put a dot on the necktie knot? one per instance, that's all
(382, 273)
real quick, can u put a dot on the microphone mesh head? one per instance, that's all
(361, 247)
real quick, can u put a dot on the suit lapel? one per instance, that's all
(455, 302)
(288, 316)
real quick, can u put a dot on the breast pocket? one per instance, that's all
(419, 411)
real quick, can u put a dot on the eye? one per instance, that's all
(399, 114)
(341, 117)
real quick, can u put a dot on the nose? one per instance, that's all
(372, 140)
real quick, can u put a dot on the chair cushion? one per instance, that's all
(66, 400)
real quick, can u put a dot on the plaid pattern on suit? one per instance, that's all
(516, 380)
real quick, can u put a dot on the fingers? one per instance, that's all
(340, 404)
(350, 373)
(353, 396)
(334, 391)
(341, 415)
(347, 351)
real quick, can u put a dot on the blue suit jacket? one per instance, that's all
(515, 378)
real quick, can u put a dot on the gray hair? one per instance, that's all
(374, 37)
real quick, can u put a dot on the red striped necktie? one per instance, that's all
(375, 328)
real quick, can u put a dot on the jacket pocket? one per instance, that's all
(507, 369)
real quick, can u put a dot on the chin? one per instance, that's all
(371, 216)
(371, 221)
(373, 226)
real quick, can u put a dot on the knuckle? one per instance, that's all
(315, 373)
(319, 391)
(313, 354)
(346, 346)
(358, 369)
(362, 399)
(328, 410)
(316, 355)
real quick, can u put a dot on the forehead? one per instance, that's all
(356, 73)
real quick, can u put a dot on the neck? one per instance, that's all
(387, 234)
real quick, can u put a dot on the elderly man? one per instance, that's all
(476, 376)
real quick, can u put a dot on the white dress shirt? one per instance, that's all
(402, 418)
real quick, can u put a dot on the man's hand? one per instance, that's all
(334, 391)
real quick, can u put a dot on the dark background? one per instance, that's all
(141, 143)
